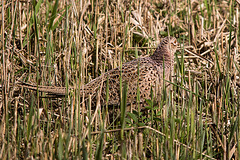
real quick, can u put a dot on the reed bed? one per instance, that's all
(69, 43)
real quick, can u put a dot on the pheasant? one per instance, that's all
(143, 73)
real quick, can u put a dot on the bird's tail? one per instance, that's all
(52, 91)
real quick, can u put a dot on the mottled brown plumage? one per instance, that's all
(150, 75)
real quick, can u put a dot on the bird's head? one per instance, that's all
(165, 50)
(168, 46)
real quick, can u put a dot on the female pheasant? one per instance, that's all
(143, 73)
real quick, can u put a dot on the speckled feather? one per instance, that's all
(150, 75)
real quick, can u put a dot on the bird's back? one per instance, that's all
(140, 74)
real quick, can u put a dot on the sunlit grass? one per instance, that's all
(68, 44)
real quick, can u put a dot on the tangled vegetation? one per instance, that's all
(69, 43)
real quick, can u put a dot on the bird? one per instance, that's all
(142, 74)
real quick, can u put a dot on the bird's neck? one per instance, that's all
(162, 56)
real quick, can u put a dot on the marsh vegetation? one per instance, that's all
(69, 43)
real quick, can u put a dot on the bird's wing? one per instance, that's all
(137, 73)
(129, 74)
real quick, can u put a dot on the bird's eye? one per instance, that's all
(174, 42)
